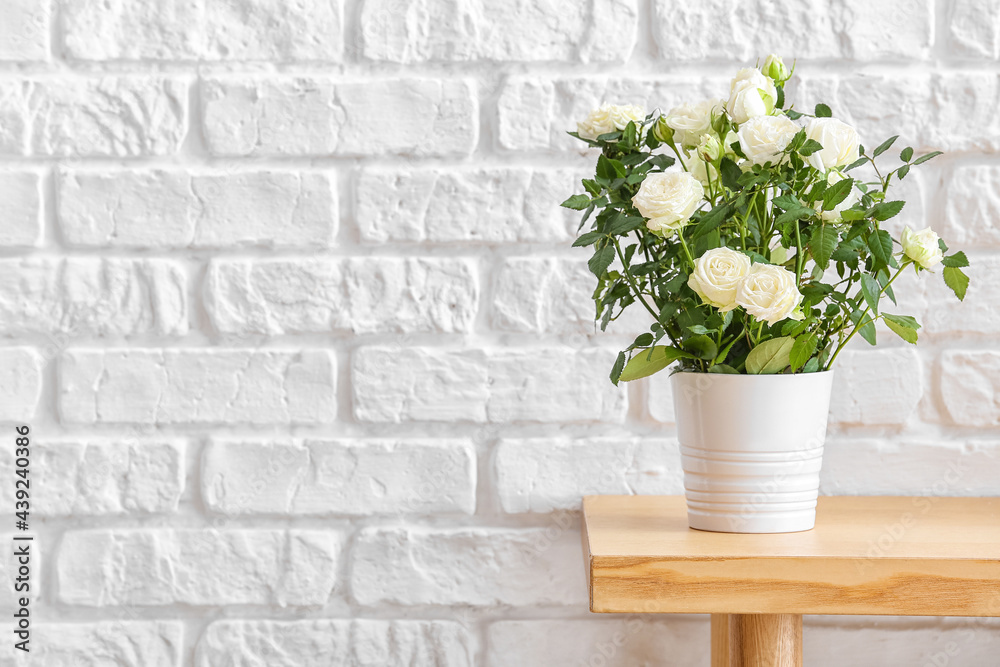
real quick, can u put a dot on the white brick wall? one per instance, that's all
(288, 301)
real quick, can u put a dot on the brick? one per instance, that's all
(363, 295)
(910, 468)
(624, 641)
(415, 566)
(882, 386)
(744, 31)
(119, 643)
(21, 371)
(972, 29)
(832, 642)
(324, 115)
(192, 386)
(536, 113)
(267, 30)
(25, 26)
(970, 386)
(104, 568)
(328, 477)
(426, 384)
(979, 313)
(438, 30)
(159, 208)
(927, 111)
(93, 478)
(322, 642)
(92, 116)
(21, 193)
(972, 207)
(554, 295)
(547, 474)
(472, 205)
(103, 297)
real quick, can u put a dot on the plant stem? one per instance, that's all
(687, 253)
(862, 318)
(631, 281)
(798, 255)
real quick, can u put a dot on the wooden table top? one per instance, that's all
(867, 555)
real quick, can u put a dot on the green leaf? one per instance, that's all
(577, 202)
(867, 329)
(884, 146)
(906, 154)
(794, 214)
(958, 260)
(880, 243)
(886, 210)
(601, 260)
(802, 350)
(702, 347)
(956, 279)
(925, 158)
(643, 340)
(902, 320)
(811, 366)
(837, 193)
(903, 171)
(770, 357)
(625, 224)
(616, 370)
(823, 111)
(906, 333)
(711, 220)
(587, 239)
(822, 244)
(650, 361)
(610, 169)
(810, 147)
(871, 291)
(730, 173)
(857, 163)
(723, 368)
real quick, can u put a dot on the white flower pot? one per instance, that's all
(752, 448)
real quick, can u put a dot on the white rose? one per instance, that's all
(922, 247)
(608, 118)
(668, 199)
(851, 199)
(716, 275)
(751, 94)
(775, 68)
(840, 143)
(690, 121)
(769, 293)
(710, 148)
(763, 138)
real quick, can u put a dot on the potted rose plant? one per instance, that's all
(752, 235)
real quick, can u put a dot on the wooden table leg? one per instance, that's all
(756, 640)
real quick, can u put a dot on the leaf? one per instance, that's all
(723, 368)
(711, 220)
(958, 260)
(794, 214)
(903, 171)
(880, 243)
(587, 239)
(884, 146)
(906, 154)
(616, 370)
(810, 147)
(625, 224)
(823, 111)
(822, 244)
(610, 169)
(867, 329)
(577, 202)
(701, 347)
(802, 350)
(650, 361)
(902, 320)
(770, 357)
(925, 158)
(837, 193)
(643, 340)
(956, 279)
(906, 333)
(886, 210)
(730, 173)
(601, 260)
(871, 291)
(811, 366)
(857, 163)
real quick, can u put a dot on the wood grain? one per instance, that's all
(765, 640)
(867, 555)
(720, 640)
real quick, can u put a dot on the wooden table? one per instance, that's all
(867, 555)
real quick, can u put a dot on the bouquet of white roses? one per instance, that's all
(759, 252)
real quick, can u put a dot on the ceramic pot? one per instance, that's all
(752, 449)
